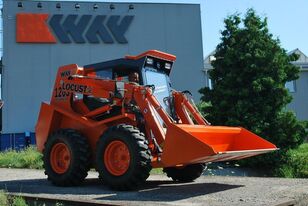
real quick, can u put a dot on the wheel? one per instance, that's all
(123, 157)
(66, 157)
(185, 174)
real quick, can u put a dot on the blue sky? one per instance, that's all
(287, 19)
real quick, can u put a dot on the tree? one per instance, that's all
(249, 78)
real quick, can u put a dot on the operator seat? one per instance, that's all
(94, 102)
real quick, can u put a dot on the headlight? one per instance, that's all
(168, 66)
(149, 61)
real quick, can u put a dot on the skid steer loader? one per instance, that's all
(122, 118)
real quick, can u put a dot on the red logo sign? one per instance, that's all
(33, 28)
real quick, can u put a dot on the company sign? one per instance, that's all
(34, 28)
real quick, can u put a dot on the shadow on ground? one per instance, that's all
(153, 190)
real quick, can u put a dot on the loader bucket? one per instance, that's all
(189, 144)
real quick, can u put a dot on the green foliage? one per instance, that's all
(18, 201)
(249, 78)
(305, 124)
(296, 165)
(28, 158)
(3, 198)
(202, 106)
(15, 201)
(156, 171)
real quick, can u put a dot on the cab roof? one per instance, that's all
(131, 62)
(153, 53)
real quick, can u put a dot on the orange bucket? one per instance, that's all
(189, 144)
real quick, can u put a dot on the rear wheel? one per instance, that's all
(66, 157)
(185, 174)
(123, 157)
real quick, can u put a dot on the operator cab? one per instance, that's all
(155, 71)
(152, 68)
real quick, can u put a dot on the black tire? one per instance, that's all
(80, 160)
(185, 174)
(139, 166)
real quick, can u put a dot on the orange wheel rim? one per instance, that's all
(117, 158)
(60, 158)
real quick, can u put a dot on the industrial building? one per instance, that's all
(298, 87)
(39, 36)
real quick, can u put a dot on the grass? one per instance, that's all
(19, 201)
(3, 198)
(28, 158)
(15, 201)
(157, 171)
(296, 165)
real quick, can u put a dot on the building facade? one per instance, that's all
(39, 36)
(298, 88)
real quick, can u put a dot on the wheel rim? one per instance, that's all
(60, 158)
(117, 158)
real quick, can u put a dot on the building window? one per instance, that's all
(210, 84)
(290, 86)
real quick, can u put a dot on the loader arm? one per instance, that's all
(185, 110)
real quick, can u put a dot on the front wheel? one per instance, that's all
(123, 157)
(187, 173)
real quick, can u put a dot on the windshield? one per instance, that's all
(161, 83)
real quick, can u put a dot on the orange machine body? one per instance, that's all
(182, 138)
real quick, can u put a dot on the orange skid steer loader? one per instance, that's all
(123, 118)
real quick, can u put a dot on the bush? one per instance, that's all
(19, 201)
(28, 158)
(15, 201)
(296, 165)
(249, 77)
(305, 124)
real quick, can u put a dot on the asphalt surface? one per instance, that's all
(159, 190)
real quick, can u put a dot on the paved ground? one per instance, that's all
(159, 190)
